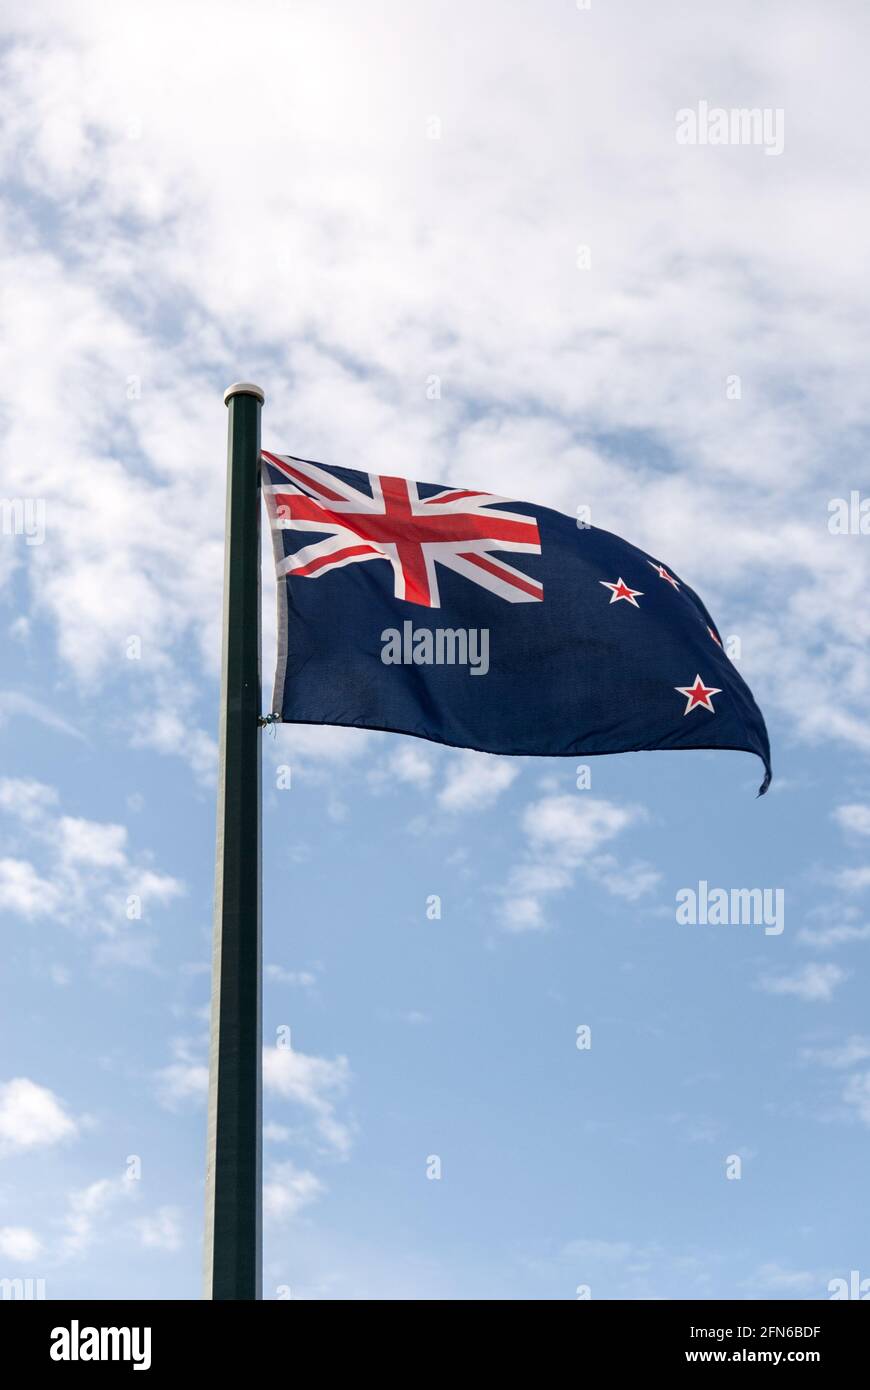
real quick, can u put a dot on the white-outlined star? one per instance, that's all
(698, 695)
(621, 590)
(663, 574)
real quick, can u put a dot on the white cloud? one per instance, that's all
(88, 1208)
(25, 797)
(853, 818)
(779, 1278)
(31, 1116)
(185, 1080)
(287, 1190)
(84, 874)
(855, 1049)
(475, 780)
(23, 891)
(814, 983)
(574, 828)
(305, 979)
(181, 1082)
(93, 843)
(565, 834)
(857, 1095)
(531, 385)
(313, 1083)
(167, 725)
(311, 744)
(410, 764)
(15, 702)
(631, 881)
(414, 1018)
(521, 913)
(615, 1250)
(162, 1231)
(854, 880)
(407, 763)
(821, 938)
(20, 1244)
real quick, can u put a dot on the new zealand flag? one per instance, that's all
(482, 622)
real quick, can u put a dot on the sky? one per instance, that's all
(469, 245)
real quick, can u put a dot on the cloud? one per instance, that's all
(616, 1250)
(85, 874)
(287, 1190)
(856, 1089)
(185, 1080)
(606, 375)
(857, 1095)
(630, 881)
(410, 764)
(19, 1243)
(32, 1116)
(853, 818)
(814, 983)
(624, 1269)
(564, 835)
(312, 1083)
(776, 1277)
(313, 745)
(521, 912)
(574, 828)
(821, 938)
(854, 880)
(855, 1049)
(407, 764)
(168, 726)
(181, 1082)
(276, 1134)
(162, 1231)
(305, 979)
(97, 844)
(475, 781)
(87, 1210)
(23, 892)
(15, 702)
(26, 798)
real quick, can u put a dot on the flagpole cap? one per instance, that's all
(244, 388)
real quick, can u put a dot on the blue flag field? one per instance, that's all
(483, 622)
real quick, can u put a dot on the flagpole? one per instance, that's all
(233, 1212)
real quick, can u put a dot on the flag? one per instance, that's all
(483, 622)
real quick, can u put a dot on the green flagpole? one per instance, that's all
(233, 1211)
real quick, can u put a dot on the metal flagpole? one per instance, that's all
(233, 1163)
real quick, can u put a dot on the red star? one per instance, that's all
(663, 574)
(698, 694)
(621, 590)
(715, 638)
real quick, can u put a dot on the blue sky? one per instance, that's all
(332, 205)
